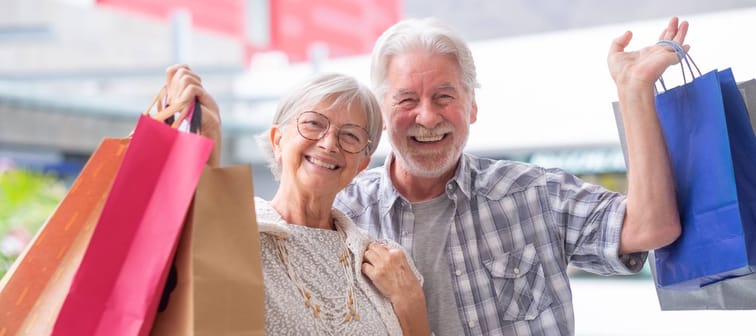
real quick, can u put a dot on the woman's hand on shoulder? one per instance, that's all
(389, 269)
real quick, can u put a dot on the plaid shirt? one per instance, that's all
(516, 227)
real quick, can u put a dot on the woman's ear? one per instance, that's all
(275, 141)
(365, 163)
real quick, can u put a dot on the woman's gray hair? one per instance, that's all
(427, 34)
(342, 91)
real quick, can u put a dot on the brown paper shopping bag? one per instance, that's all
(219, 289)
(33, 290)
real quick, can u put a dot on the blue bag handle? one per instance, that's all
(682, 56)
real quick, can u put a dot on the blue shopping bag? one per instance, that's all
(712, 149)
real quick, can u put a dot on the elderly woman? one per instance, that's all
(323, 275)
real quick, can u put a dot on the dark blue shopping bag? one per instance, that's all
(712, 149)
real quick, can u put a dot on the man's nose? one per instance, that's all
(428, 115)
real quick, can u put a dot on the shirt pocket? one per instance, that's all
(519, 283)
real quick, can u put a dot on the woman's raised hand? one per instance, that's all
(184, 85)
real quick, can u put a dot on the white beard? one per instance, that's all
(429, 165)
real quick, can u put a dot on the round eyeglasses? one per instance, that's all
(352, 138)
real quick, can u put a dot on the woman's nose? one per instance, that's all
(330, 140)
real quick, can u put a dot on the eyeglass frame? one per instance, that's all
(338, 131)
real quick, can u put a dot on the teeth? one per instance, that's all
(322, 164)
(429, 138)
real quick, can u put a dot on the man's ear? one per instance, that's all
(385, 112)
(275, 141)
(474, 110)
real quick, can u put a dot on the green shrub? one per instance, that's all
(26, 200)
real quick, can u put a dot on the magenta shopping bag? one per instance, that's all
(118, 284)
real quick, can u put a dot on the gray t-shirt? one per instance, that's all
(432, 221)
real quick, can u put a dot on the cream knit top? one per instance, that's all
(313, 254)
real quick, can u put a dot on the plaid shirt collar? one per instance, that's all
(389, 196)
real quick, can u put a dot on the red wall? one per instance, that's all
(225, 16)
(347, 27)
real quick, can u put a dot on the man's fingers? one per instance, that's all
(620, 43)
(671, 30)
(682, 32)
(676, 30)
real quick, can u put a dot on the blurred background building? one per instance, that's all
(75, 71)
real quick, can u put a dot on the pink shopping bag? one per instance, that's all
(118, 284)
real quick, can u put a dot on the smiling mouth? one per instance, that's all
(429, 138)
(321, 163)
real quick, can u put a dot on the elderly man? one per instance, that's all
(493, 238)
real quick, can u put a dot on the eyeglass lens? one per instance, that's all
(313, 126)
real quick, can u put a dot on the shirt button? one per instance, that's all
(471, 324)
(458, 272)
(449, 186)
(633, 262)
(404, 233)
(516, 270)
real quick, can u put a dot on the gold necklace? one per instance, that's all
(313, 303)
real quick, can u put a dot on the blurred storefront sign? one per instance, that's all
(582, 161)
(599, 165)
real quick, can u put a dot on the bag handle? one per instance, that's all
(682, 56)
(164, 114)
(193, 114)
